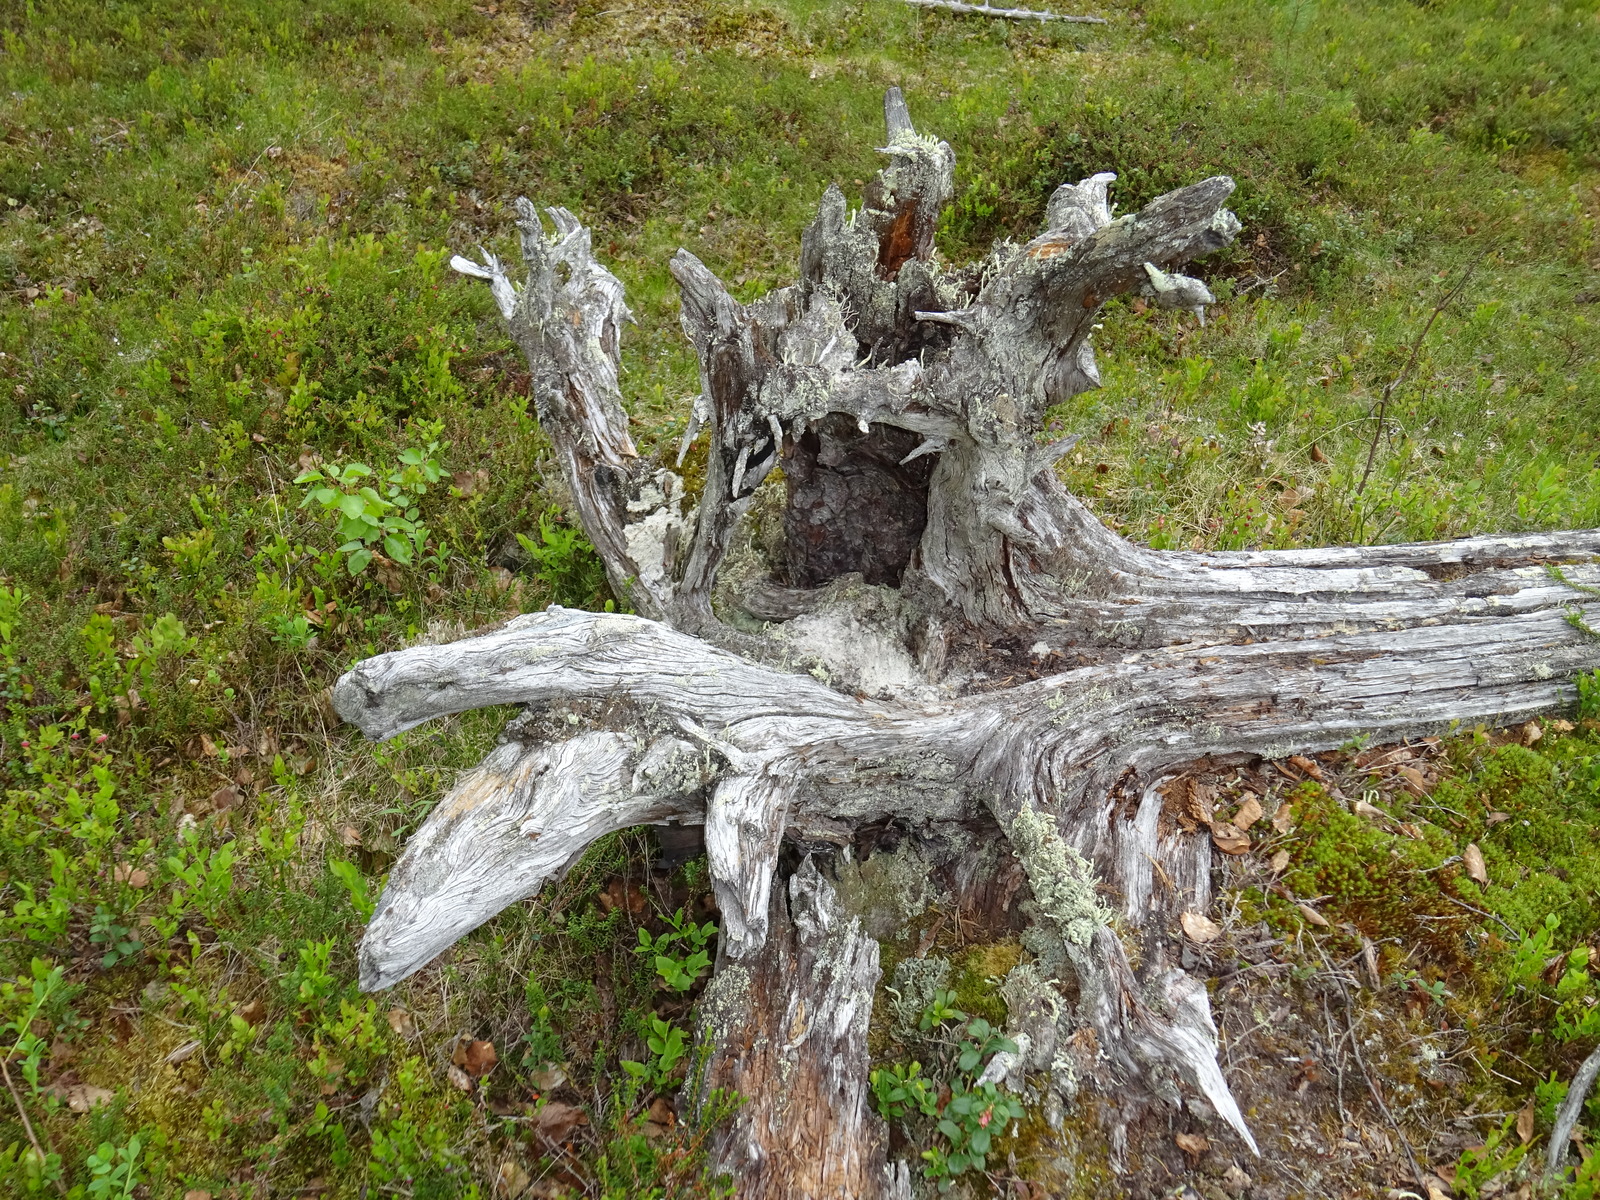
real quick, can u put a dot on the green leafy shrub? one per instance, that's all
(679, 953)
(113, 1170)
(969, 1124)
(115, 939)
(973, 1115)
(567, 564)
(365, 516)
(899, 1090)
(667, 1050)
(940, 1010)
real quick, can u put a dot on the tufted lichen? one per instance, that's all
(1064, 902)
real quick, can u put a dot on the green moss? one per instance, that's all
(1072, 1162)
(1385, 883)
(1540, 857)
(976, 977)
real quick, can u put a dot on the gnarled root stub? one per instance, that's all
(923, 520)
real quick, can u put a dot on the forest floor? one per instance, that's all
(224, 235)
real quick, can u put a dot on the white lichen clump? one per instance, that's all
(1062, 881)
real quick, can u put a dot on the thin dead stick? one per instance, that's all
(1355, 1047)
(1338, 1062)
(27, 1125)
(1010, 14)
(1382, 410)
(1567, 1114)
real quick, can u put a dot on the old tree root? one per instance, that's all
(867, 675)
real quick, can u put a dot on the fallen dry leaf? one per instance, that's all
(1414, 780)
(1495, 818)
(1192, 1144)
(1280, 862)
(134, 877)
(1249, 813)
(1310, 766)
(1200, 929)
(350, 837)
(548, 1077)
(619, 895)
(1560, 726)
(1317, 456)
(1525, 1117)
(458, 1078)
(1531, 733)
(1230, 839)
(512, 1180)
(402, 1023)
(1472, 859)
(556, 1120)
(1283, 819)
(476, 1058)
(253, 1013)
(80, 1097)
(661, 1112)
(224, 798)
(1362, 809)
(1312, 915)
(196, 1194)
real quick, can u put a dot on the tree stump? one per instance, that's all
(958, 649)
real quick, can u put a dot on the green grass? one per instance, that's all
(223, 236)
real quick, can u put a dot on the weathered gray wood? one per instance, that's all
(908, 398)
(1571, 1108)
(521, 817)
(1010, 14)
(567, 318)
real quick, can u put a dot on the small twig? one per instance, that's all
(27, 1125)
(1567, 1114)
(1380, 414)
(1355, 1047)
(1337, 1045)
(1515, 936)
(1010, 14)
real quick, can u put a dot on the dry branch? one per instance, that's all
(1010, 14)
